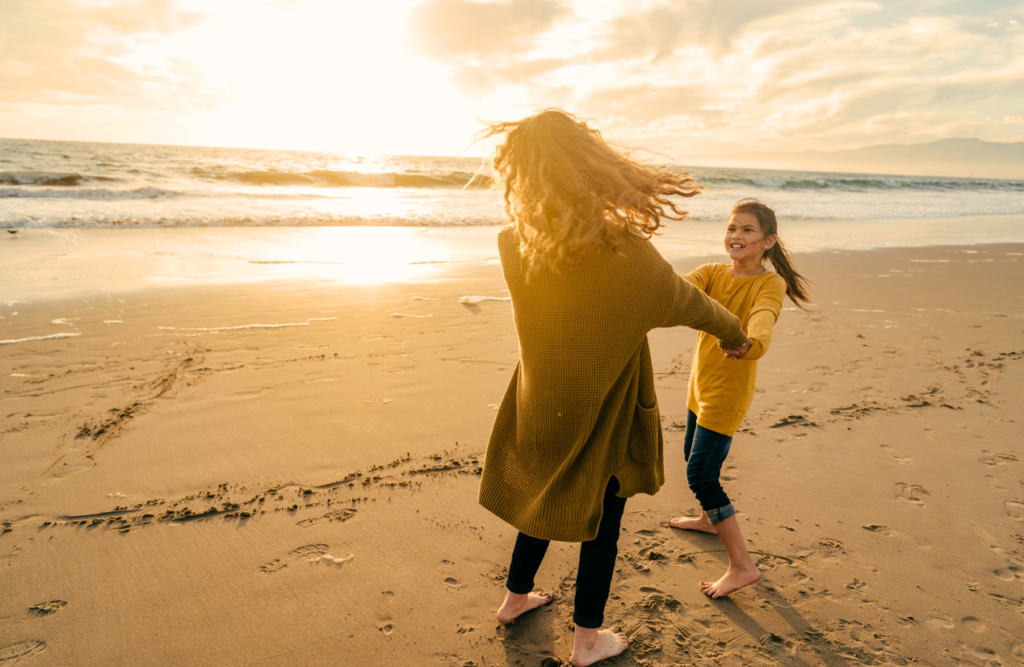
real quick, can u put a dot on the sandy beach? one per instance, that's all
(285, 472)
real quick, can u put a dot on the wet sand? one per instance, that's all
(285, 473)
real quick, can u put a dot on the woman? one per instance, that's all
(578, 431)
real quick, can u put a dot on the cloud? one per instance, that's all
(59, 52)
(644, 103)
(445, 29)
(660, 30)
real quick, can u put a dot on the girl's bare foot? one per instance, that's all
(515, 605)
(591, 645)
(734, 579)
(701, 523)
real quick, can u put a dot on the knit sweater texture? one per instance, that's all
(581, 406)
(721, 390)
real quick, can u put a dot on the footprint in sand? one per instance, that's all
(1014, 508)
(452, 582)
(856, 585)
(1009, 573)
(909, 493)
(939, 623)
(902, 460)
(730, 474)
(829, 545)
(13, 653)
(884, 530)
(998, 459)
(386, 629)
(310, 553)
(973, 624)
(47, 608)
(336, 515)
(994, 483)
(766, 562)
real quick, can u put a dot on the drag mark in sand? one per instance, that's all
(13, 653)
(95, 433)
(240, 503)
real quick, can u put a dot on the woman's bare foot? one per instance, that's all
(591, 645)
(515, 605)
(701, 523)
(734, 579)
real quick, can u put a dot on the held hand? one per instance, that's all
(740, 351)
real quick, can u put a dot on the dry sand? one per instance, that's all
(183, 487)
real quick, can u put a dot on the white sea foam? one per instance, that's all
(860, 310)
(250, 326)
(474, 300)
(113, 321)
(61, 320)
(408, 315)
(31, 338)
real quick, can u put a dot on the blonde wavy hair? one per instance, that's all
(571, 194)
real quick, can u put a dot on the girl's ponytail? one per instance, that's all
(796, 284)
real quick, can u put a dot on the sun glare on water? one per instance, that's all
(365, 255)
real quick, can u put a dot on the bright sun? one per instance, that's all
(323, 76)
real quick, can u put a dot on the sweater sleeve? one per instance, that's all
(691, 307)
(700, 277)
(763, 316)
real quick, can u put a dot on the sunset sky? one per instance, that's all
(414, 76)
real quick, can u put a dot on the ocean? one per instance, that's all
(76, 184)
(89, 218)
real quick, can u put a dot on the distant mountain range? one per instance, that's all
(946, 157)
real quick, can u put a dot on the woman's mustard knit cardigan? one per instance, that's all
(581, 407)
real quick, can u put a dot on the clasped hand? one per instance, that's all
(739, 351)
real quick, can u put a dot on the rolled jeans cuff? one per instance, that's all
(721, 513)
(518, 588)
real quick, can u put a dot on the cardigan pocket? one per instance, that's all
(645, 440)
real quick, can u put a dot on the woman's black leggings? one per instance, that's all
(597, 563)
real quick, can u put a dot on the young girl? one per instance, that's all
(578, 430)
(722, 385)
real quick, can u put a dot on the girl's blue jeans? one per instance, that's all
(705, 452)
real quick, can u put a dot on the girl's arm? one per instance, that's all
(763, 315)
(759, 328)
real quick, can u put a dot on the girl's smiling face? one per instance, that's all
(744, 241)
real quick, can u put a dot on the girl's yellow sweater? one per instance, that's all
(722, 389)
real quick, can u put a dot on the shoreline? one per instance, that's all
(57, 263)
(235, 491)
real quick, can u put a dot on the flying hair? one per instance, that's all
(571, 194)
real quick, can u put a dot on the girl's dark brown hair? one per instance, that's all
(796, 284)
(570, 193)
